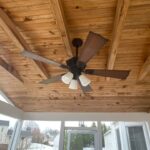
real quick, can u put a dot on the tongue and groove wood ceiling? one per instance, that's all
(47, 28)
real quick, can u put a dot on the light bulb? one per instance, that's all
(73, 84)
(66, 78)
(84, 80)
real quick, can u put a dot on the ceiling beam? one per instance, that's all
(121, 12)
(11, 30)
(62, 25)
(145, 69)
(9, 69)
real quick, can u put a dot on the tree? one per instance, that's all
(78, 141)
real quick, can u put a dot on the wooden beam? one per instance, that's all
(10, 70)
(145, 69)
(11, 30)
(121, 12)
(62, 25)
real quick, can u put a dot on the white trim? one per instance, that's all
(123, 133)
(15, 136)
(62, 134)
(99, 136)
(81, 128)
(86, 116)
(6, 98)
(9, 110)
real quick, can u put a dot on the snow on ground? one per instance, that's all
(37, 146)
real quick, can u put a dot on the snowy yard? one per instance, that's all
(36, 146)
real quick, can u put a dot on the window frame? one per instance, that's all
(145, 132)
(117, 128)
(87, 130)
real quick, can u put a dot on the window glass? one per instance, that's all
(7, 127)
(136, 138)
(80, 124)
(39, 135)
(79, 140)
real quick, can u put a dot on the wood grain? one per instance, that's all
(121, 12)
(62, 24)
(11, 30)
(36, 22)
(145, 69)
(10, 70)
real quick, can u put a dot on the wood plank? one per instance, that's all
(101, 104)
(11, 30)
(145, 69)
(10, 69)
(62, 24)
(121, 12)
(38, 23)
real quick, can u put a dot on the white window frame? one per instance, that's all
(117, 145)
(85, 130)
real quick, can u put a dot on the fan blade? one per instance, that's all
(85, 88)
(52, 79)
(42, 59)
(92, 44)
(119, 74)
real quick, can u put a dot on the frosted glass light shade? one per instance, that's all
(84, 80)
(73, 85)
(66, 78)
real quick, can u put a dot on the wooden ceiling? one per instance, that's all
(47, 27)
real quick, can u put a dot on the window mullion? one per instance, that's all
(15, 136)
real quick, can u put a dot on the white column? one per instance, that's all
(61, 139)
(15, 136)
(148, 127)
(99, 136)
(124, 136)
(68, 142)
(148, 122)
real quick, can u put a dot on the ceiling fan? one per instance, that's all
(77, 64)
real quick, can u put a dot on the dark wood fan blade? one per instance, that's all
(52, 79)
(42, 59)
(119, 74)
(85, 89)
(93, 43)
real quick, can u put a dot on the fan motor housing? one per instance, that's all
(72, 64)
(77, 42)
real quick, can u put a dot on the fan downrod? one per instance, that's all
(77, 42)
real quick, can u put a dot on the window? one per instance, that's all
(7, 127)
(80, 135)
(137, 138)
(39, 135)
(79, 140)
(118, 139)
